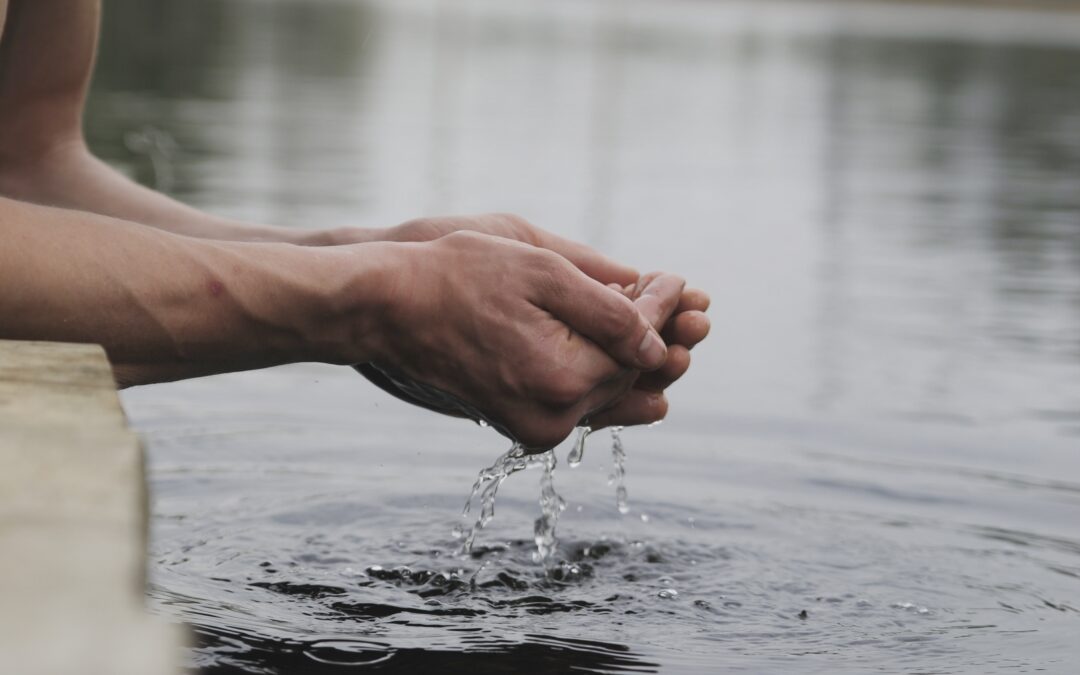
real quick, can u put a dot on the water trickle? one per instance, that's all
(618, 470)
(487, 486)
(577, 453)
(551, 505)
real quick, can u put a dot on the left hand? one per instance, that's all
(505, 225)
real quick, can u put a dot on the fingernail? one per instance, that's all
(651, 352)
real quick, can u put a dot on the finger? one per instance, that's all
(637, 407)
(657, 297)
(634, 290)
(587, 259)
(693, 299)
(678, 362)
(625, 329)
(686, 328)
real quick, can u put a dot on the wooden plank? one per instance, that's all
(42, 363)
(73, 521)
(71, 384)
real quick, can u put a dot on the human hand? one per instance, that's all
(509, 226)
(690, 329)
(687, 326)
(520, 334)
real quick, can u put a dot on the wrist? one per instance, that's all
(352, 290)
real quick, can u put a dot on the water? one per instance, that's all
(551, 506)
(618, 471)
(872, 465)
(577, 452)
(487, 486)
(491, 478)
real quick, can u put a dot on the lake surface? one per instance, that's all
(874, 463)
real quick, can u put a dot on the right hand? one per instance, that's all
(519, 332)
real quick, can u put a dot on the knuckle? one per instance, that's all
(552, 262)
(463, 238)
(553, 270)
(418, 229)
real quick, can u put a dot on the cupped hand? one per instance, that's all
(520, 333)
(645, 402)
(509, 226)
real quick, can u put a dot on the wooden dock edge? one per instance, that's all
(73, 522)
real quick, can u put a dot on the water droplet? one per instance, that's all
(458, 532)
(577, 453)
(668, 594)
(644, 517)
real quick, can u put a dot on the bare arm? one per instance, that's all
(166, 306)
(516, 331)
(46, 60)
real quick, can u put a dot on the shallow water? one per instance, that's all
(873, 464)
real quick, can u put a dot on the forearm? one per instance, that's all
(167, 307)
(46, 57)
(69, 176)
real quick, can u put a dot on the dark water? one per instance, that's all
(874, 465)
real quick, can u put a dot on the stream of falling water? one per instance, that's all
(490, 478)
(618, 470)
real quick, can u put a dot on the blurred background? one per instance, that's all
(883, 200)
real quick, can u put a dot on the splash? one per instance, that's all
(514, 460)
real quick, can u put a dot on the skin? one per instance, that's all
(536, 330)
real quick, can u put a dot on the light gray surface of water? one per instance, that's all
(882, 431)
